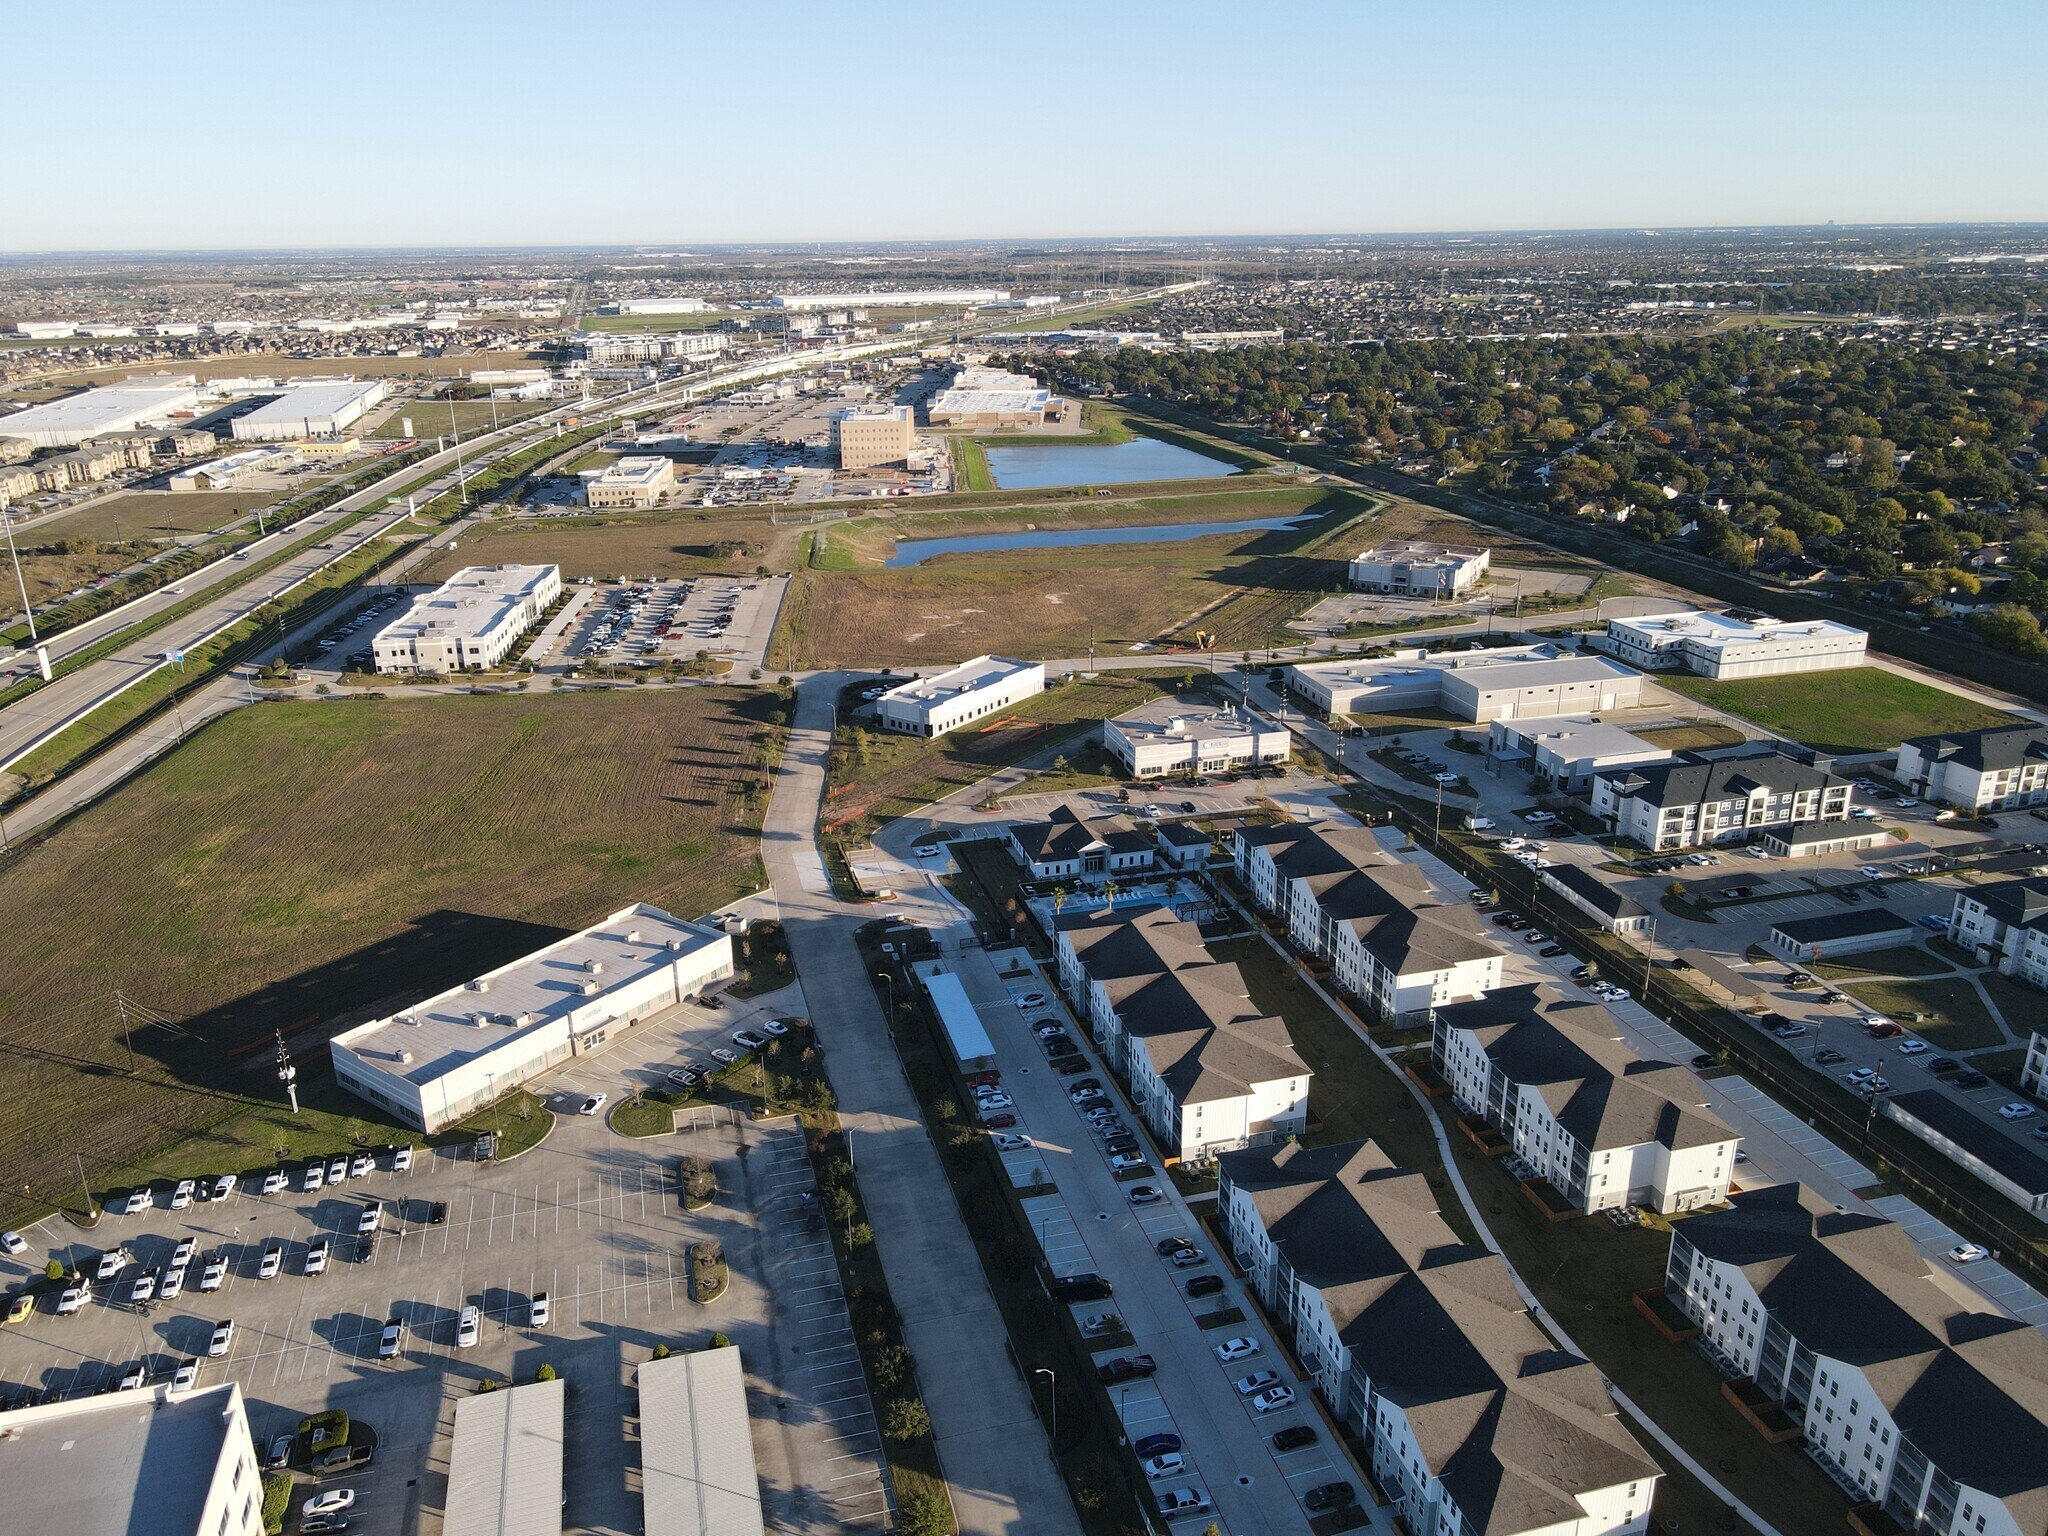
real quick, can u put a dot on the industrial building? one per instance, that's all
(438, 1061)
(668, 306)
(638, 480)
(1603, 1126)
(697, 1472)
(932, 706)
(2006, 926)
(505, 1462)
(987, 398)
(323, 409)
(470, 622)
(1695, 801)
(147, 1459)
(868, 436)
(1389, 939)
(222, 473)
(1419, 570)
(1167, 737)
(1567, 751)
(1988, 770)
(916, 298)
(1208, 1072)
(1504, 682)
(1911, 1400)
(94, 413)
(1838, 933)
(1472, 1418)
(1737, 643)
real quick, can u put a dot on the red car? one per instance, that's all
(984, 1079)
(1125, 1368)
(999, 1122)
(1073, 1066)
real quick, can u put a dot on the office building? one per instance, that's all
(697, 1471)
(94, 413)
(440, 1060)
(1387, 936)
(1988, 770)
(1697, 802)
(986, 398)
(638, 480)
(1473, 1419)
(1067, 846)
(1606, 1128)
(1411, 569)
(147, 1459)
(1168, 737)
(1737, 643)
(1910, 1400)
(1565, 752)
(470, 622)
(603, 349)
(322, 409)
(505, 1462)
(1207, 1071)
(974, 690)
(1838, 933)
(1505, 682)
(868, 436)
(223, 473)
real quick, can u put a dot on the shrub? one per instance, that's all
(922, 1512)
(892, 1365)
(860, 1236)
(719, 1341)
(905, 1418)
(277, 1500)
(54, 1270)
(321, 1430)
(661, 1352)
(545, 1373)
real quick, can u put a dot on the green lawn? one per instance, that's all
(2023, 1006)
(1856, 709)
(443, 418)
(1955, 1016)
(1906, 960)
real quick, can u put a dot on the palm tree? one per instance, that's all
(1059, 899)
(1109, 891)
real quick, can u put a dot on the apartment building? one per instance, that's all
(1208, 1072)
(637, 480)
(1604, 1126)
(1413, 569)
(1388, 938)
(1168, 737)
(1696, 801)
(470, 622)
(1737, 643)
(1419, 1343)
(869, 436)
(1987, 770)
(2034, 1075)
(2005, 925)
(1069, 846)
(974, 690)
(1909, 1400)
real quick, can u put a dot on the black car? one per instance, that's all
(1775, 1019)
(1156, 1445)
(1088, 1287)
(1187, 807)
(1942, 1064)
(1828, 1058)
(1121, 1146)
(1167, 1245)
(1701, 1062)
(1551, 951)
(1581, 972)
(1205, 1285)
(1294, 1437)
(1330, 1496)
(1971, 1080)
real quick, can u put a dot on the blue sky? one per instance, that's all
(451, 123)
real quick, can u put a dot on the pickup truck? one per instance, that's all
(1125, 1368)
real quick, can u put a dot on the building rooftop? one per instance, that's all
(1732, 629)
(90, 412)
(1577, 736)
(1066, 834)
(1986, 1142)
(1413, 553)
(2016, 903)
(141, 1460)
(873, 413)
(1174, 719)
(698, 1476)
(494, 1010)
(1597, 893)
(981, 391)
(474, 601)
(636, 470)
(322, 399)
(980, 672)
(1693, 780)
(1840, 925)
(1512, 666)
(505, 1466)
(1992, 750)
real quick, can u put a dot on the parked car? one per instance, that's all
(1124, 1162)
(1967, 1253)
(136, 1203)
(144, 1287)
(747, 1040)
(468, 1324)
(332, 1502)
(999, 1122)
(539, 1310)
(215, 1271)
(73, 1299)
(1010, 1143)
(1083, 1287)
(1273, 1399)
(1329, 1496)
(316, 1178)
(392, 1339)
(19, 1306)
(316, 1256)
(1172, 1464)
(1156, 1445)
(1149, 1194)
(361, 1165)
(1204, 1285)
(1294, 1437)
(112, 1262)
(401, 1161)
(1125, 1368)
(182, 1195)
(593, 1104)
(1238, 1347)
(2015, 1111)
(342, 1458)
(1971, 1079)
(223, 1338)
(1188, 1258)
(274, 1182)
(12, 1243)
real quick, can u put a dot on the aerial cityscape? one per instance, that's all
(1183, 772)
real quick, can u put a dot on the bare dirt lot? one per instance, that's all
(682, 543)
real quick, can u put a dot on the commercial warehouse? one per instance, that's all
(96, 412)
(671, 306)
(439, 1060)
(505, 1465)
(990, 397)
(470, 621)
(915, 297)
(1569, 750)
(1502, 683)
(324, 409)
(932, 706)
(1738, 643)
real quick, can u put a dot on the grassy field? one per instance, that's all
(1955, 1018)
(1856, 709)
(2021, 1004)
(48, 575)
(1905, 960)
(639, 325)
(883, 777)
(153, 515)
(1054, 602)
(296, 864)
(1695, 737)
(432, 418)
(681, 543)
(277, 365)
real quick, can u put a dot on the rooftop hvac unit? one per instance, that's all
(409, 1018)
(594, 967)
(675, 946)
(481, 984)
(590, 989)
(479, 1020)
(405, 1058)
(520, 1019)
(632, 935)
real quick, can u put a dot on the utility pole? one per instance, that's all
(92, 1211)
(287, 1073)
(1649, 958)
(121, 1011)
(461, 478)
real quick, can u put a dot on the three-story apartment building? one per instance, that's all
(1988, 770)
(1697, 801)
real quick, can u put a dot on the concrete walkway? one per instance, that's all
(991, 1444)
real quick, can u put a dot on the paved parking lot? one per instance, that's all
(726, 616)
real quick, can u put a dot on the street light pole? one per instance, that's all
(889, 981)
(1053, 1377)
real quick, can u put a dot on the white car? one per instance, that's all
(1144, 1194)
(216, 1271)
(1273, 1399)
(12, 1243)
(1258, 1381)
(930, 851)
(186, 1376)
(182, 1195)
(593, 1104)
(367, 1221)
(1033, 1000)
(1870, 872)
(316, 1257)
(112, 1262)
(337, 1170)
(1967, 1253)
(271, 1262)
(401, 1162)
(2015, 1111)
(775, 1027)
(1008, 1143)
(332, 1502)
(174, 1284)
(1241, 1347)
(73, 1300)
(467, 1326)
(274, 1182)
(223, 1338)
(1914, 1047)
(1172, 1464)
(144, 1288)
(996, 1101)
(362, 1165)
(316, 1177)
(538, 1310)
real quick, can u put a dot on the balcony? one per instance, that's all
(1766, 1415)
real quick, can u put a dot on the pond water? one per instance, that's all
(1037, 467)
(917, 551)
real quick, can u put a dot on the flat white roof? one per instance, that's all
(1404, 553)
(100, 1463)
(113, 409)
(636, 469)
(979, 391)
(308, 400)
(1517, 666)
(969, 676)
(1170, 720)
(697, 1472)
(505, 1466)
(956, 1011)
(471, 602)
(873, 413)
(442, 1033)
(1719, 630)
(1576, 736)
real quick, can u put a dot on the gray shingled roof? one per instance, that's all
(1987, 751)
(1695, 781)
(1067, 835)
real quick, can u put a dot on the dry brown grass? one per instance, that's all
(279, 366)
(52, 574)
(296, 862)
(153, 515)
(668, 544)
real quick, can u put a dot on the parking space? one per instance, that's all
(643, 623)
(1059, 1239)
(1986, 1276)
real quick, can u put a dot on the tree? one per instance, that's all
(54, 1270)
(545, 1373)
(840, 1203)
(2011, 628)
(1059, 899)
(906, 1418)
(921, 1512)
(718, 1341)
